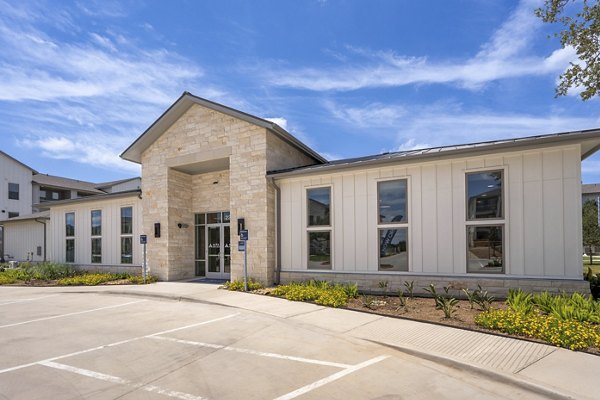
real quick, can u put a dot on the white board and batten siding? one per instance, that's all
(111, 231)
(542, 198)
(22, 239)
(12, 171)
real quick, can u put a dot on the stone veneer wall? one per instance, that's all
(496, 286)
(170, 196)
(208, 196)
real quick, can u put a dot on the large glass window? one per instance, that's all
(392, 197)
(13, 191)
(126, 235)
(96, 236)
(485, 217)
(392, 223)
(96, 250)
(318, 206)
(319, 250)
(393, 249)
(96, 223)
(70, 250)
(70, 237)
(70, 224)
(485, 249)
(484, 195)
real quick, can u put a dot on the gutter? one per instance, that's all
(43, 223)
(276, 277)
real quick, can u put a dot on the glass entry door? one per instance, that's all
(213, 245)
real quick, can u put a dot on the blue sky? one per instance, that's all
(80, 80)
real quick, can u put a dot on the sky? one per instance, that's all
(81, 80)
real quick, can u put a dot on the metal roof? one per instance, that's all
(38, 215)
(67, 183)
(590, 188)
(113, 183)
(450, 151)
(186, 100)
(104, 196)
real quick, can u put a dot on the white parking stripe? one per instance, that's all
(69, 314)
(76, 353)
(24, 300)
(255, 353)
(116, 379)
(330, 378)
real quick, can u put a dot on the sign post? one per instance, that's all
(243, 239)
(144, 241)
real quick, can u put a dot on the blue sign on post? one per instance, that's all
(244, 234)
(242, 245)
(143, 239)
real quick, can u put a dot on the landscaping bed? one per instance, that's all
(53, 274)
(568, 321)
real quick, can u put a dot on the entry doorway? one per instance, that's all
(213, 245)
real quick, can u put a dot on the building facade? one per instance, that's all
(502, 214)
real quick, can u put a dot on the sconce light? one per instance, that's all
(182, 225)
(157, 230)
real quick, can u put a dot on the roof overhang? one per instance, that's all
(589, 141)
(185, 102)
(98, 197)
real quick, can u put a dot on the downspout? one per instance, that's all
(276, 278)
(43, 223)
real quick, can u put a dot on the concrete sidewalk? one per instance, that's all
(547, 370)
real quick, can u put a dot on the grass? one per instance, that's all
(595, 267)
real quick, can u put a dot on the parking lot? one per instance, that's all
(59, 345)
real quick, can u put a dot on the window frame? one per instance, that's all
(69, 238)
(488, 222)
(379, 226)
(126, 235)
(12, 191)
(94, 237)
(319, 228)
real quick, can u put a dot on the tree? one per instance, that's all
(581, 30)
(591, 230)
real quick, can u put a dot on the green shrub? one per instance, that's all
(447, 305)
(323, 293)
(410, 287)
(569, 334)
(238, 285)
(351, 290)
(519, 301)
(89, 279)
(139, 280)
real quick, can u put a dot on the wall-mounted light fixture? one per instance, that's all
(182, 225)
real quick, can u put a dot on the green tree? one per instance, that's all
(580, 20)
(591, 231)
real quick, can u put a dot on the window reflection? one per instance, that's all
(393, 254)
(485, 249)
(392, 201)
(484, 195)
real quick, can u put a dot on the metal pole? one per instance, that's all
(144, 268)
(245, 268)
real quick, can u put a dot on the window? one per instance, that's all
(13, 191)
(485, 222)
(392, 221)
(126, 235)
(200, 231)
(96, 236)
(12, 214)
(70, 237)
(319, 227)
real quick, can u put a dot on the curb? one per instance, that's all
(510, 379)
(162, 296)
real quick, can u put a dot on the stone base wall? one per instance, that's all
(496, 286)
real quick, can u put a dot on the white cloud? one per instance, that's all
(88, 97)
(282, 122)
(504, 55)
(447, 123)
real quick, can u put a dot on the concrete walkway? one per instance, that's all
(546, 370)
